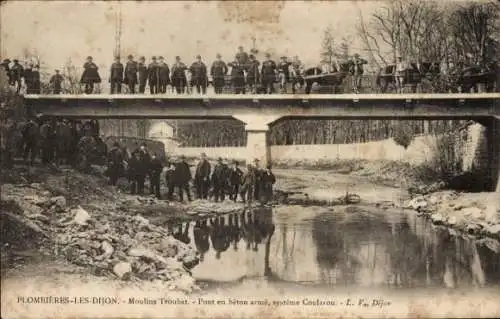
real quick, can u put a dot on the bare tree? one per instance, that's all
(475, 30)
(412, 28)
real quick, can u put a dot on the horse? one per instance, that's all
(413, 75)
(331, 80)
(470, 77)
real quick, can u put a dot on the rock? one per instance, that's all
(81, 216)
(59, 201)
(473, 212)
(452, 220)
(139, 236)
(492, 244)
(437, 218)
(493, 231)
(123, 270)
(473, 229)
(126, 240)
(417, 203)
(36, 185)
(169, 246)
(107, 249)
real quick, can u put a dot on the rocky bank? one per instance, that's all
(80, 219)
(476, 214)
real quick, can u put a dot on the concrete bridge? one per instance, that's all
(260, 111)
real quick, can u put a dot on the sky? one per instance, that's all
(58, 30)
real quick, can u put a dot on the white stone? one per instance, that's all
(122, 270)
(81, 216)
(416, 203)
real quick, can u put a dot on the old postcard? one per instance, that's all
(267, 159)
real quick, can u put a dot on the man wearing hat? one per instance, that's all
(153, 76)
(6, 66)
(142, 71)
(267, 180)
(131, 74)
(258, 179)
(399, 73)
(164, 76)
(116, 76)
(242, 57)
(202, 177)
(17, 72)
(235, 179)
(219, 180)
(179, 80)
(268, 74)
(115, 163)
(56, 82)
(237, 76)
(199, 75)
(90, 75)
(356, 70)
(218, 72)
(64, 138)
(253, 76)
(283, 73)
(183, 173)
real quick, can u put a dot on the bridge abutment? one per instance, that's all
(493, 147)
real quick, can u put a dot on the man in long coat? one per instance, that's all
(116, 76)
(142, 71)
(199, 75)
(153, 76)
(202, 177)
(218, 72)
(90, 75)
(131, 74)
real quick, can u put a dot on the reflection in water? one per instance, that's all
(353, 246)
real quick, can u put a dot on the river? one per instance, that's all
(354, 247)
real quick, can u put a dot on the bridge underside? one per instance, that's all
(257, 112)
(380, 106)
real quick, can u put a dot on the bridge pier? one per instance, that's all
(257, 127)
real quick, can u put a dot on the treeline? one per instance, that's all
(292, 132)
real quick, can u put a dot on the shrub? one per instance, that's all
(403, 136)
(445, 162)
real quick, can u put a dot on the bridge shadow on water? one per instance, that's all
(351, 246)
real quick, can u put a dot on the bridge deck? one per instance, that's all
(308, 106)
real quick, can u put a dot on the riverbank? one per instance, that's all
(77, 220)
(476, 214)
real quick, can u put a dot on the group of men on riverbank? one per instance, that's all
(54, 140)
(219, 183)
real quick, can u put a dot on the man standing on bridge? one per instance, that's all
(56, 82)
(356, 70)
(268, 74)
(399, 73)
(179, 80)
(153, 76)
(218, 72)
(164, 76)
(116, 76)
(90, 75)
(131, 74)
(199, 75)
(142, 70)
(17, 72)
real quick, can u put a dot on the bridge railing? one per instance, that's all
(369, 85)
